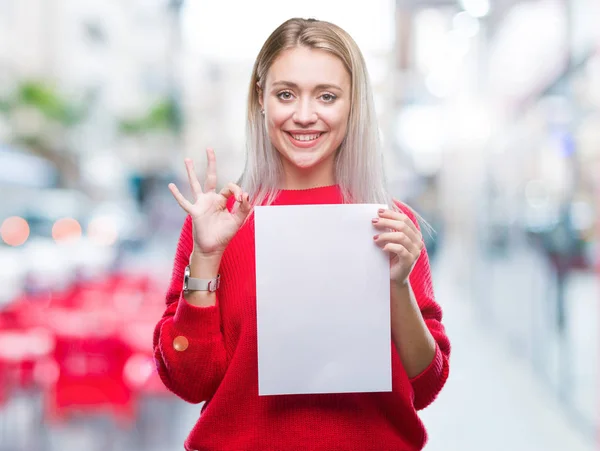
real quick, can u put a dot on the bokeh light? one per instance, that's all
(14, 231)
(66, 229)
(102, 231)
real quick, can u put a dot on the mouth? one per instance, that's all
(305, 140)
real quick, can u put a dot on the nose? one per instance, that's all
(305, 113)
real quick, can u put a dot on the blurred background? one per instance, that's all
(490, 118)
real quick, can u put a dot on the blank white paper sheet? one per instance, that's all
(323, 300)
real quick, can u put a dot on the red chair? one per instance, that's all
(23, 343)
(90, 358)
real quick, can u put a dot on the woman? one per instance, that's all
(312, 139)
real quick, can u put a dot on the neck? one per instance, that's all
(299, 179)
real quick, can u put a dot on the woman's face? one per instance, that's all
(307, 104)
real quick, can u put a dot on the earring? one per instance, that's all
(262, 111)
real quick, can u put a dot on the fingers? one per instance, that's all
(398, 226)
(398, 216)
(242, 201)
(182, 201)
(400, 235)
(210, 184)
(398, 249)
(232, 190)
(193, 179)
(403, 254)
(395, 239)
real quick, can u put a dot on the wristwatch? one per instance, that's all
(192, 284)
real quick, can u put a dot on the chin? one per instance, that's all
(306, 161)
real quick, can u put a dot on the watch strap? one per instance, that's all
(203, 284)
(194, 284)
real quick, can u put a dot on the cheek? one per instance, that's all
(277, 118)
(338, 122)
(337, 115)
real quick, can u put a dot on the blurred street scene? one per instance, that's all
(490, 118)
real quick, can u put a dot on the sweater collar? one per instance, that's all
(330, 194)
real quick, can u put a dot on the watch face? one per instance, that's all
(186, 276)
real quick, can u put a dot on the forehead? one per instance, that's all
(307, 67)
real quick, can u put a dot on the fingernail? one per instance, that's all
(375, 220)
(381, 210)
(375, 237)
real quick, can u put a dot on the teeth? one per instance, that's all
(306, 137)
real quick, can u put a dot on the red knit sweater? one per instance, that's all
(220, 366)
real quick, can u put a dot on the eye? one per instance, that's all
(328, 97)
(285, 95)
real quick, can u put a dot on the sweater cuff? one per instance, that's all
(194, 321)
(429, 378)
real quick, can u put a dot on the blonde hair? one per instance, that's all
(359, 170)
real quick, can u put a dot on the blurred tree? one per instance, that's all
(162, 117)
(41, 120)
(49, 102)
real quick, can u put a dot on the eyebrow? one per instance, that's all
(290, 84)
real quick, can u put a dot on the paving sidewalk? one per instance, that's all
(492, 401)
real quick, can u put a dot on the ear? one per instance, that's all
(259, 91)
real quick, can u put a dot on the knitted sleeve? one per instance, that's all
(427, 385)
(188, 343)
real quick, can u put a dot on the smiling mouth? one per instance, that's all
(306, 138)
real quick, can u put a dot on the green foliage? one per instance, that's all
(4, 106)
(45, 99)
(163, 116)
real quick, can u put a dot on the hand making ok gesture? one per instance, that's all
(213, 224)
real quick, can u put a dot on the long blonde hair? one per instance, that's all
(359, 164)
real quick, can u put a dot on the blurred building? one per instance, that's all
(497, 111)
(117, 60)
